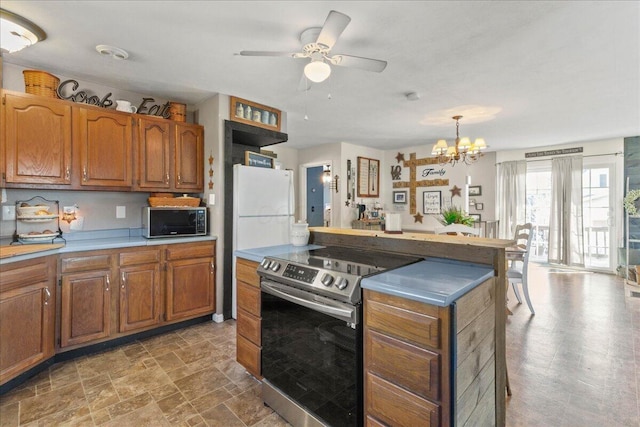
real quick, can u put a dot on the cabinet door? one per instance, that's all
(36, 140)
(105, 145)
(86, 304)
(139, 296)
(26, 328)
(189, 157)
(190, 288)
(153, 148)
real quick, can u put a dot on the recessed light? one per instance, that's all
(112, 51)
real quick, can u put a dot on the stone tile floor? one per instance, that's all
(183, 378)
(576, 363)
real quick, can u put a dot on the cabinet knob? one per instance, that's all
(47, 296)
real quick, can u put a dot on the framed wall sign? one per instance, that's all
(431, 202)
(475, 190)
(476, 217)
(400, 197)
(252, 113)
(368, 177)
(479, 206)
(252, 158)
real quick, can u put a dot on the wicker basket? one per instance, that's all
(174, 201)
(41, 83)
(177, 111)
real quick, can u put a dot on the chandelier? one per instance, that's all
(463, 150)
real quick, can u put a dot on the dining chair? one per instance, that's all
(518, 271)
(458, 229)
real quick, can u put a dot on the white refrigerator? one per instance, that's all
(263, 210)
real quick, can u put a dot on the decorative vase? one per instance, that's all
(299, 234)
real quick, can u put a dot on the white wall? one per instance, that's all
(481, 173)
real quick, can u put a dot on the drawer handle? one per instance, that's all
(47, 296)
(213, 267)
(179, 179)
(166, 178)
(84, 174)
(108, 283)
(67, 174)
(124, 280)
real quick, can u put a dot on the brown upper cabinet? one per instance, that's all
(104, 141)
(35, 141)
(112, 150)
(170, 156)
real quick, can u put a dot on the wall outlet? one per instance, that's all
(9, 213)
(121, 212)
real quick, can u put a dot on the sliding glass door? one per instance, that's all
(597, 206)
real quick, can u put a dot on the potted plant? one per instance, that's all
(455, 215)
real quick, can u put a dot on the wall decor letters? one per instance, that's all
(82, 96)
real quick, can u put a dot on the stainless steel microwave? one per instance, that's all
(173, 222)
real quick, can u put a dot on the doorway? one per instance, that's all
(597, 209)
(315, 195)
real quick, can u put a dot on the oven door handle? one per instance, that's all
(346, 314)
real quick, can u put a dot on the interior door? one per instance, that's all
(315, 197)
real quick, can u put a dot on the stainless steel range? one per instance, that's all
(312, 335)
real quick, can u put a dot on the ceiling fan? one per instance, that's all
(316, 46)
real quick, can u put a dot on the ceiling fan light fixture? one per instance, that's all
(18, 32)
(317, 71)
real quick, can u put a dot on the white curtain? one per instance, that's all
(565, 223)
(511, 196)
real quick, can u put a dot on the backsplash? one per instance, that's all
(97, 209)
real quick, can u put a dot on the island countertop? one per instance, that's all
(432, 281)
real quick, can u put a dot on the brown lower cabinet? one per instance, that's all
(110, 293)
(248, 335)
(427, 365)
(27, 315)
(99, 296)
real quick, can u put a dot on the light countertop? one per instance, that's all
(433, 281)
(91, 241)
(257, 254)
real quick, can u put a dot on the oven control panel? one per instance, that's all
(300, 273)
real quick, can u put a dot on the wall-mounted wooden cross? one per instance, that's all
(412, 184)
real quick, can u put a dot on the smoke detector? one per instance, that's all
(112, 51)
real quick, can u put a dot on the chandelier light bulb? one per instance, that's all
(317, 71)
(463, 150)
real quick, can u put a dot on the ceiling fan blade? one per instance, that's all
(266, 53)
(334, 25)
(367, 64)
(304, 84)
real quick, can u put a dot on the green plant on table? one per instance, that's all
(455, 215)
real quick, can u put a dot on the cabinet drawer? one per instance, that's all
(24, 273)
(182, 251)
(420, 327)
(247, 272)
(140, 257)
(85, 262)
(248, 326)
(248, 355)
(397, 407)
(413, 368)
(249, 298)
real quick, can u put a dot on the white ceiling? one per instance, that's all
(523, 73)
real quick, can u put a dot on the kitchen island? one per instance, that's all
(480, 301)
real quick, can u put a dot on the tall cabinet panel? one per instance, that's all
(36, 139)
(153, 154)
(189, 151)
(105, 145)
